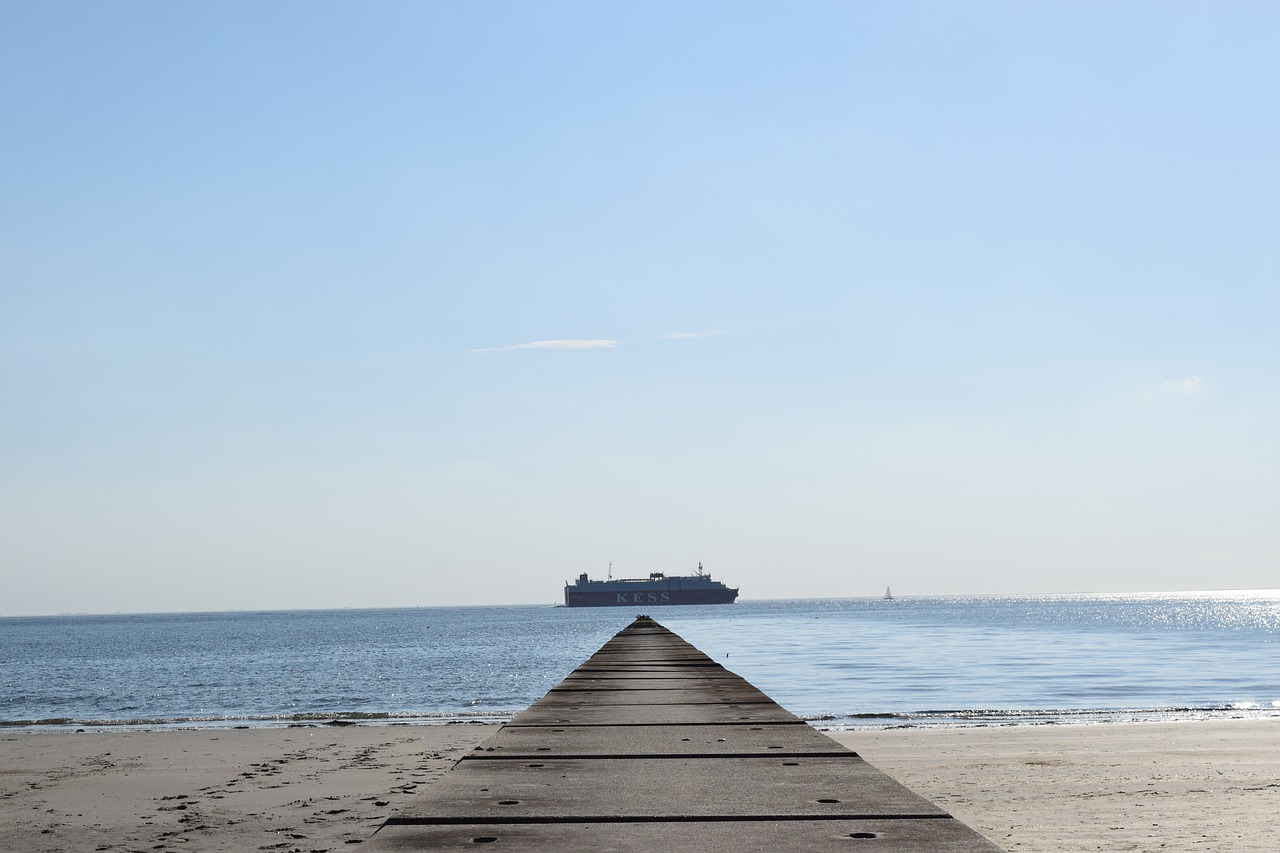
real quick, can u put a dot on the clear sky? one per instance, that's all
(420, 303)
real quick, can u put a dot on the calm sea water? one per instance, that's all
(848, 663)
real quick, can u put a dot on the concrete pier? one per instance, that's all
(651, 745)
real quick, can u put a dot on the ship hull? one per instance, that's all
(575, 597)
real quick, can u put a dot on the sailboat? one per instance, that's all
(888, 596)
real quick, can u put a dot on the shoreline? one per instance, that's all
(1175, 786)
(240, 724)
(917, 721)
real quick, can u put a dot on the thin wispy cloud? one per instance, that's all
(689, 336)
(1193, 385)
(559, 343)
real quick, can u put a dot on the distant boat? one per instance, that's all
(888, 596)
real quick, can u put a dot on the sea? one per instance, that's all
(841, 663)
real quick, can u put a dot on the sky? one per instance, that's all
(313, 305)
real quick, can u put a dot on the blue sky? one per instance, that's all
(374, 304)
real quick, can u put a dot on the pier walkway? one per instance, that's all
(651, 745)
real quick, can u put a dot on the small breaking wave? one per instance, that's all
(269, 720)
(963, 717)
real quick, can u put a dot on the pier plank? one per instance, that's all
(765, 836)
(583, 714)
(735, 693)
(797, 738)
(681, 788)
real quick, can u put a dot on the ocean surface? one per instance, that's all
(844, 662)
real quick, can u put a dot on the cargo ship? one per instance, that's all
(658, 589)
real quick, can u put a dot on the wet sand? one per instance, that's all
(1195, 786)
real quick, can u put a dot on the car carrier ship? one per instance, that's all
(657, 589)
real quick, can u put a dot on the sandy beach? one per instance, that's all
(1187, 786)
(288, 789)
(1193, 786)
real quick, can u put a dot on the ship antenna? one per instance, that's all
(611, 570)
